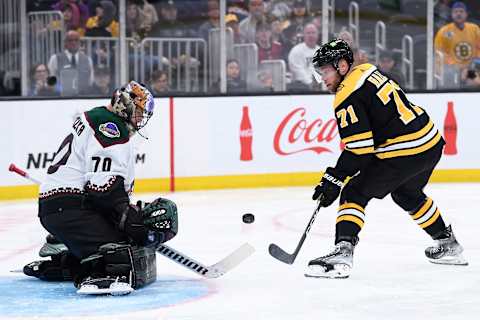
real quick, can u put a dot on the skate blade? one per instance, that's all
(457, 260)
(117, 290)
(339, 272)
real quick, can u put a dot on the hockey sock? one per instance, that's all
(350, 220)
(428, 217)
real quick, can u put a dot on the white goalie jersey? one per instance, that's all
(97, 150)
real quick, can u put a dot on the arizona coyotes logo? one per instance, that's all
(295, 134)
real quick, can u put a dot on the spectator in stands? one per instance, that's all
(80, 8)
(103, 24)
(386, 64)
(459, 42)
(248, 26)
(267, 49)
(168, 25)
(279, 9)
(300, 59)
(102, 83)
(41, 82)
(265, 81)
(213, 19)
(471, 78)
(238, 8)
(277, 27)
(359, 55)
(159, 83)
(234, 82)
(231, 21)
(149, 14)
(72, 68)
(71, 19)
(134, 18)
(298, 20)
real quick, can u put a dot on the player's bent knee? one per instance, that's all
(351, 194)
(408, 202)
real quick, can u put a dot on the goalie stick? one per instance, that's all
(280, 254)
(214, 271)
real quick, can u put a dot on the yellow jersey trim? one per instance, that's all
(411, 136)
(410, 151)
(352, 82)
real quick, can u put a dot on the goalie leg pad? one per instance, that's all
(132, 265)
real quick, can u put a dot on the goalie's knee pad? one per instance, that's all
(132, 264)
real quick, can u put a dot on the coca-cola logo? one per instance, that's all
(295, 134)
(246, 133)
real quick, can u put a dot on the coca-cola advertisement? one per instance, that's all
(296, 133)
(450, 131)
(246, 136)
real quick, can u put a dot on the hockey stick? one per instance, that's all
(17, 170)
(214, 271)
(280, 254)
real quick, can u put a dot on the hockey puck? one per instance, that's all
(248, 218)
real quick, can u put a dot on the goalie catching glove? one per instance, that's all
(160, 216)
(329, 188)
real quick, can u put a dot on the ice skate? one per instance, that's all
(446, 250)
(115, 286)
(336, 264)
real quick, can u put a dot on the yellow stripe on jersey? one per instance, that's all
(412, 150)
(361, 143)
(353, 81)
(408, 137)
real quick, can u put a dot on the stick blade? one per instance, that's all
(230, 262)
(279, 254)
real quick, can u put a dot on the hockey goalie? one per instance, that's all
(98, 239)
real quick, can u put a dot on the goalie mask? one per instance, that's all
(133, 103)
(331, 53)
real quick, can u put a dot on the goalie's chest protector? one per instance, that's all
(97, 148)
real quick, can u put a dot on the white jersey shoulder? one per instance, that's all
(97, 148)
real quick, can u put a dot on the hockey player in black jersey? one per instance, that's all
(391, 147)
(98, 238)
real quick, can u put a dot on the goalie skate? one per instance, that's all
(111, 286)
(336, 264)
(446, 250)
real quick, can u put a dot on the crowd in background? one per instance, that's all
(288, 30)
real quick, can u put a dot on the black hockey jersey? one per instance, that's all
(375, 118)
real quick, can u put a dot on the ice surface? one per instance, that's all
(391, 278)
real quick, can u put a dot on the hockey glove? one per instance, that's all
(330, 187)
(160, 216)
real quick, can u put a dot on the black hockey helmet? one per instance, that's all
(331, 52)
